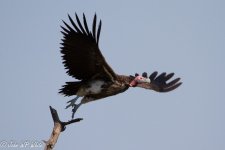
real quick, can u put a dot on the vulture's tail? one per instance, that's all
(70, 88)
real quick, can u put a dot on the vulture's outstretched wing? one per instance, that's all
(160, 83)
(81, 54)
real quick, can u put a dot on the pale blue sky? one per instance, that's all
(185, 37)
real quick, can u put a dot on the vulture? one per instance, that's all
(95, 79)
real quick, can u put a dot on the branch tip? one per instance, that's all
(59, 127)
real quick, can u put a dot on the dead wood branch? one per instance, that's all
(59, 127)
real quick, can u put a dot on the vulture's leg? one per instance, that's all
(75, 107)
(72, 102)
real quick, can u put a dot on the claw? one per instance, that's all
(76, 106)
(72, 102)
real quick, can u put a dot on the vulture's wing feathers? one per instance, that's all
(80, 51)
(160, 83)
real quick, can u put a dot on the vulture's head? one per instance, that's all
(138, 79)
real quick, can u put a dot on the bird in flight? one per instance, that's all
(95, 79)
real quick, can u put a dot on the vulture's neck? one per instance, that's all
(124, 79)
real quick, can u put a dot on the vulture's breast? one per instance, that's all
(91, 88)
(95, 87)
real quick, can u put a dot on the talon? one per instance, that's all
(73, 112)
(72, 102)
(76, 106)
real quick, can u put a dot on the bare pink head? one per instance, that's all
(139, 79)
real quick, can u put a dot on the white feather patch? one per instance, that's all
(95, 87)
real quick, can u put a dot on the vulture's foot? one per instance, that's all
(72, 102)
(75, 107)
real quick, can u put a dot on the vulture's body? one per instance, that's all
(96, 89)
(95, 78)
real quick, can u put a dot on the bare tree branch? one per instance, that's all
(59, 127)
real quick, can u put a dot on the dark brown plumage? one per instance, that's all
(84, 61)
